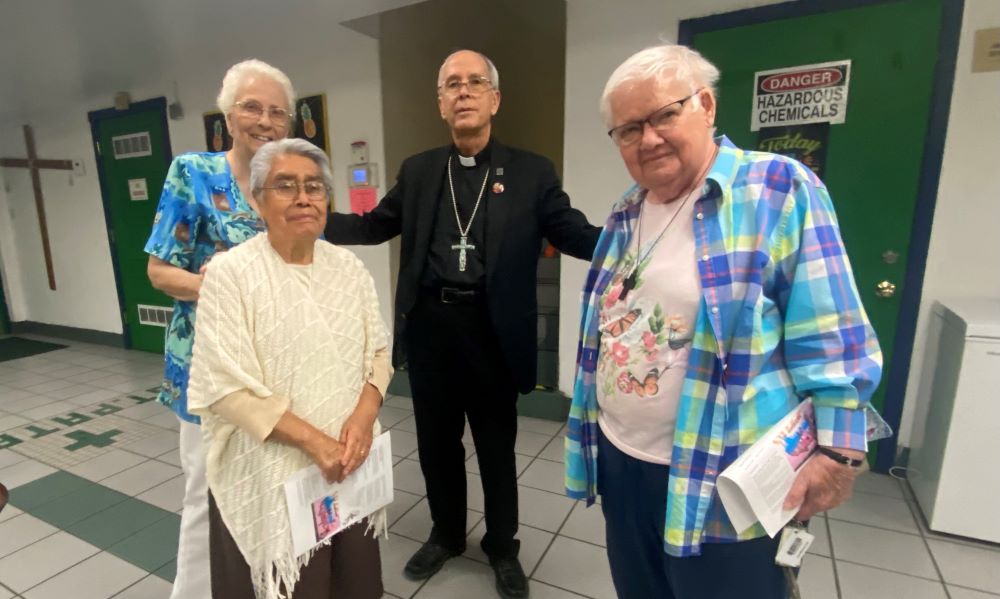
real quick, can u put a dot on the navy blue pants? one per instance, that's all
(634, 498)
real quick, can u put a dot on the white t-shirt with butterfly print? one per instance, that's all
(646, 337)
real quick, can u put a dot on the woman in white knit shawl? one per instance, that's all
(289, 369)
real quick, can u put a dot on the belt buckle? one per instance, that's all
(448, 296)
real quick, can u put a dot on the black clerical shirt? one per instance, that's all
(442, 268)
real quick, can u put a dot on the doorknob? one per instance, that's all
(885, 289)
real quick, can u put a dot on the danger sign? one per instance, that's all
(814, 93)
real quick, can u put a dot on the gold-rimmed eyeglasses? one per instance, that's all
(476, 85)
(254, 109)
(662, 120)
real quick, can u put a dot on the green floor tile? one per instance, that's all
(153, 547)
(167, 572)
(117, 523)
(75, 507)
(47, 489)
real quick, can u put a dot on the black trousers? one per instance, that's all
(457, 370)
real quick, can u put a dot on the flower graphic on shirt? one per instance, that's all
(613, 293)
(677, 332)
(649, 340)
(620, 354)
(624, 382)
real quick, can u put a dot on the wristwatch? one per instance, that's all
(840, 458)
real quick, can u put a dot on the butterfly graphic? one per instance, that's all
(649, 386)
(617, 327)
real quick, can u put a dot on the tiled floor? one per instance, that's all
(100, 520)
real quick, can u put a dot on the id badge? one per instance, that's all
(795, 541)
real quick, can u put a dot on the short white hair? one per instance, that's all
(263, 161)
(667, 62)
(491, 69)
(237, 76)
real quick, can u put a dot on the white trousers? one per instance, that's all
(194, 576)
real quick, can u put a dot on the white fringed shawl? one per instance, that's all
(260, 328)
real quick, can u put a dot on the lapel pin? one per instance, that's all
(498, 187)
(499, 171)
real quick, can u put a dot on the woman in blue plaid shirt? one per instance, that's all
(719, 297)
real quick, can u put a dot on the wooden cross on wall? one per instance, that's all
(34, 164)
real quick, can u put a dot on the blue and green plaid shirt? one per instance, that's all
(780, 319)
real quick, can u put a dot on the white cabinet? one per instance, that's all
(955, 445)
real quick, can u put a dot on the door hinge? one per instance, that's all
(97, 146)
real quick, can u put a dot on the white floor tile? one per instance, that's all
(406, 476)
(460, 578)
(145, 410)
(168, 495)
(408, 424)
(579, 567)
(155, 445)
(9, 458)
(544, 475)
(5, 594)
(399, 401)
(171, 457)
(534, 542)
(21, 531)
(49, 385)
(555, 450)
(9, 512)
(816, 578)
(404, 444)
(99, 577)
(539, 425)
(390, 416)
(11, 421)
(43, 560)
(881, 548)
(542, 509)
(964, 593)
(92, 397)
(586, 524)
(416, 523)
(968, 566)
(141, 478)
(150, 587)
(475, 500)
(401, 503)
(73, 390)
(107, 464)
(54, 408)
(24, 472)
(29, 401)
(166, 419)
(877, 510)
(862, 582)
(530, 443)
(395, 552)
(821, 545)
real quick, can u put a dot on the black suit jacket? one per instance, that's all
(531, 206)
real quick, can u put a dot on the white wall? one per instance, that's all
(964, 256)
(318, 55)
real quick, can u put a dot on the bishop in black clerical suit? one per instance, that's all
(472, 216)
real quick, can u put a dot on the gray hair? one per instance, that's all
(491, 68)
(263, 160)
(237, 76)
(668, 62)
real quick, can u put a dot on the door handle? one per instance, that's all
(885, 289)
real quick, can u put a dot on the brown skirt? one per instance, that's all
(348, 568)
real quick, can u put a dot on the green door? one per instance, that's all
(134, 160)
(873, 159)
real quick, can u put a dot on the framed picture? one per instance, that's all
(217, 137)
(310, 121)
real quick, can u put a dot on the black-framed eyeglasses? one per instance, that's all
(254, 109)
(289, 190)
(662, 120)
(476, 85)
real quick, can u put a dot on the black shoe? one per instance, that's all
(4, 496)
(427, 561)
(511, 581)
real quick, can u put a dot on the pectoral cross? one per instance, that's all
(461, 247)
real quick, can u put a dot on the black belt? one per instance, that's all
(455, 295)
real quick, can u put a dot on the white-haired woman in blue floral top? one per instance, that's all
(206, 207)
